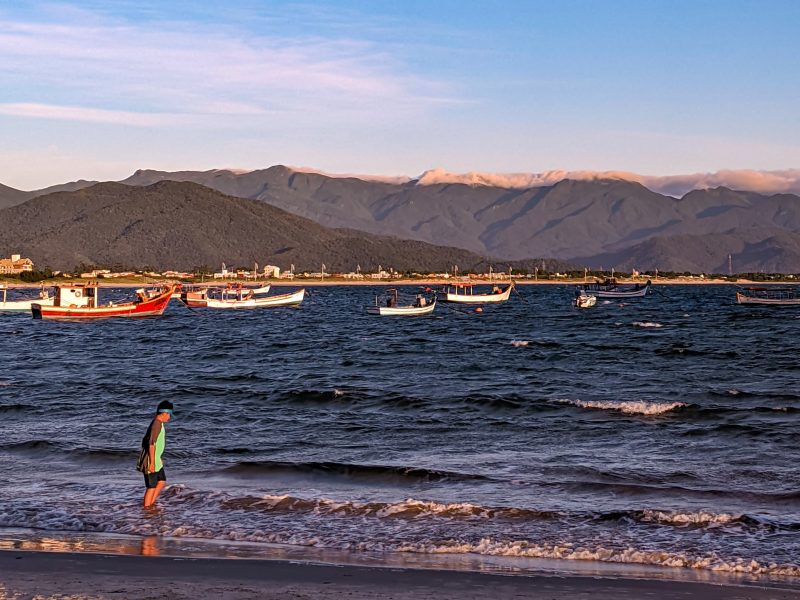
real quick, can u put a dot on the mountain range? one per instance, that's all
(183, 225)
(595, 222)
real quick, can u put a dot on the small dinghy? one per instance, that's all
(584, 300)
(390, 306)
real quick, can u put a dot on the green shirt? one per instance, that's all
(158, 437)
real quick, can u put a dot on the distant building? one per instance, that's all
(272, 271)
(95, 274)
(15, 265)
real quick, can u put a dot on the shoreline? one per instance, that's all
(42, 574)
(55, 562)
(300, 283)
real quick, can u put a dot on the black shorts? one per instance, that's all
(151, 479)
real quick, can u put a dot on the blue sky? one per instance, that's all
(96, 89)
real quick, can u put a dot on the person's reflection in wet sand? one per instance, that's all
(150, 546)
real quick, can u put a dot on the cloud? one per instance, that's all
(88, 59)
(766, 182)
(93, 115)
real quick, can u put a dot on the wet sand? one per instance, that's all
(70, 576)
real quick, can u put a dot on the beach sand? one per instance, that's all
(73, 576)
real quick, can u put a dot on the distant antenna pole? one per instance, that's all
(730, 265)
(536, 273)
(585, 274)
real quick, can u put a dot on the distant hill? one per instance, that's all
(611, 222)
(184, 225)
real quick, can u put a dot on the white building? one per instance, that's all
(15, 265)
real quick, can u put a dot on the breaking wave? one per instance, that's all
(633, 407)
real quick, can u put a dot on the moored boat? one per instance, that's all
(238, 297)
(24, 305)
(198, 296)
(390, 307)
(464, 293)
(610, 288)
(584, 300)
(82, 301)
(768, 296)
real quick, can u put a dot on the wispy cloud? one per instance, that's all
(92, 115)
(111, 66)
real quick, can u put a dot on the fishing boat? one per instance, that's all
(610, 288)
(390, 306)
(464, 293)
(584, 300)
(768, 296)
(198, 296)
(82, 301)
(22, 306)
(246, 298)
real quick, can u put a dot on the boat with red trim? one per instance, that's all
(82, 301)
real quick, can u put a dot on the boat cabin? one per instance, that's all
(79, 295)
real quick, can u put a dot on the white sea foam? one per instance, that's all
(647, 324)
(338, 393)
(519, 343)
(688, 518)
(640, 407)
(627, 555)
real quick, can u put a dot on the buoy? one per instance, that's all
(479, 309)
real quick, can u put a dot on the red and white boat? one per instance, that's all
(82, 301)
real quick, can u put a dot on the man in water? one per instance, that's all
(153, 445)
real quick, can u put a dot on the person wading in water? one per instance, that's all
(153, 444)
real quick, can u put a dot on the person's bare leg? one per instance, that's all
(150, 496)
(157, 490)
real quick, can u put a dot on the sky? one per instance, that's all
(97, 89)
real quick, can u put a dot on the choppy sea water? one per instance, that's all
(661, 431)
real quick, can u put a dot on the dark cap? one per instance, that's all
(164, 406)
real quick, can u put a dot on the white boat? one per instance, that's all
(22, 306)
(421, 306)
(244, 302)
(464, 293)
(768, 296)
(197, 296)
(611, 289)
(584, 300)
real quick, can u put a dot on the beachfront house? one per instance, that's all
(15, 265)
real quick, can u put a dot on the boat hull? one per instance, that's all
(478, 298)
(292, 299)
(401, 311)
(23, 306)
(152, 307)
(618, 292)
(753, 301)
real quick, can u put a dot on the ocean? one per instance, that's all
(659, 432)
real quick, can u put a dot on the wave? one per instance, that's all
(350, 471)
(30, 446)
(634, 407)
(569, 551)
(407, 509)
(519, 343)
(647, 324)
(416, 509)
(15, 407)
